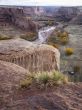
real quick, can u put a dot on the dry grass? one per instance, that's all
(4, 37)
(45, 79)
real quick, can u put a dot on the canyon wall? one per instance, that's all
(17, 17)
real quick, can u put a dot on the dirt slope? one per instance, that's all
(65, 97)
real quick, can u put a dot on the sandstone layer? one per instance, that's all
(17, 17)
(33, 57)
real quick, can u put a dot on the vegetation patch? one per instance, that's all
(44, 79)
(30, 36)
(69, 51)
(5, 37)
(58, 38)
(49, 23)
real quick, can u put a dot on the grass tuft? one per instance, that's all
(69, 51)
(44, 79)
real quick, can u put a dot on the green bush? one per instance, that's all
(42, 78)
(30, 36)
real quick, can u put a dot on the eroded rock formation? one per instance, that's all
(18, 17)
(66, 13)
(32, 57)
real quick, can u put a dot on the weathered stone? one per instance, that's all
(33, 57)
(17, 17)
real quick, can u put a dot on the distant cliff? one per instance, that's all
(66, 13)
(18, 17)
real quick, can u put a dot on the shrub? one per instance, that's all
(64, 40)
(49, 23)
(42, 77)
(30, 36)
(59, 78)
(45, 79)
(54, 45)
(63, 37)
(26, 82)
(58, 37)
(4, 37)
(69, 51)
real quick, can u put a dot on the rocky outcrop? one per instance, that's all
(17, 17)
(12, 97)
(32, 57)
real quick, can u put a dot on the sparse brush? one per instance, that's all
(4, 37)
(58, 38)
(44, 79)
(64, 40)
(26, 83)
(54, 45)
(30, 36)
(69, 51)
(59, 78)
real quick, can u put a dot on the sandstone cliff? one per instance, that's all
(30, 56)
(17, 17)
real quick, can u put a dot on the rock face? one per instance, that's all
(32, 57)
(11, 71)
(66, 13)
(18, 17)
(77, 20)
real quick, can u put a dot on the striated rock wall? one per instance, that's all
(17, 17)
(77, 20)
(66, 13)
(34, 57)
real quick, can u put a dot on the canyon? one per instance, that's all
(20, 57)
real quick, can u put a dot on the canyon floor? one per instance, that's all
(75, 39)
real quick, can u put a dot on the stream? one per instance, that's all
(43, 34)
